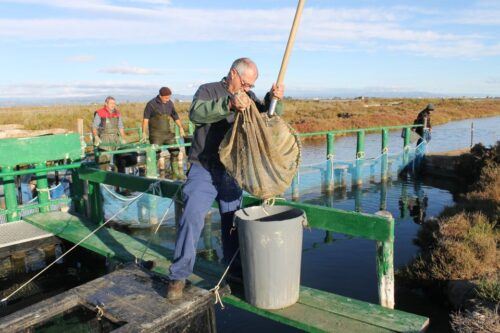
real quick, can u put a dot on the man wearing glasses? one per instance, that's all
(213, 111)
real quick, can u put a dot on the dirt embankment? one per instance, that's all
(460, 256)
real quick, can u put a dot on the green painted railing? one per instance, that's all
(369, 226)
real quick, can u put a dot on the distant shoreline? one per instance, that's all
(304, 115)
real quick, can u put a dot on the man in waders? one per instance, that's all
(158, 114)
(107, 129)
(424, 119)
(213, 111)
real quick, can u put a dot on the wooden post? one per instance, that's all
(9, 188)
(329, 176)
(385, 265)
(95, 203)
(384, 158)
(360, 156)
(77, 192)
(152, 172)
(79, 130)
(151, 167)
(42, 187)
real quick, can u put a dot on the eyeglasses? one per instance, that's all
(243, 83)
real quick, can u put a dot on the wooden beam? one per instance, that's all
(40, 149)
(350, 223)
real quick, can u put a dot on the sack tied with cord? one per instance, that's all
(262, 153)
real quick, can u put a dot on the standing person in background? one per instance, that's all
(107, 130)
(158, 114)
(424, 119)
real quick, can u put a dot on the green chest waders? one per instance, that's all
(160, 133)
(108, 132)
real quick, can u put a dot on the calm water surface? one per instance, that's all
(338, 263)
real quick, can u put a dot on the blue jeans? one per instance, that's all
(202, 187)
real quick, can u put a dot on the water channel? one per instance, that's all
(345, 265)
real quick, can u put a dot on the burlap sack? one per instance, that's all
(262, 153)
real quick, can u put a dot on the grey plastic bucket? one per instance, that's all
(271, 249)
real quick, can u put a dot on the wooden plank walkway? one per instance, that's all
(316, 311)
(129, 298)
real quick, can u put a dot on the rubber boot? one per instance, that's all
(177, 174)
(175, 289)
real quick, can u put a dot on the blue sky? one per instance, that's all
(75, 49)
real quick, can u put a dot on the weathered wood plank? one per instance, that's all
(130, 297)
(307, 318)
(316, 311)
(117, 245)
(373, 314)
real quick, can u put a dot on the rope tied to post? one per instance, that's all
(215, 290)
(360, 155)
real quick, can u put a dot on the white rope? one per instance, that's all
(216, 289)
(76, 245)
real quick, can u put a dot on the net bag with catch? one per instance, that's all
(262, 153)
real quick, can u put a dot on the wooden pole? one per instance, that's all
(288, 50)
(330, 182)
(9, 188)
(384, 159)
(42, 186)
(385, 265)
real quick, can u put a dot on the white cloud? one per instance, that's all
(125, 69)
(77, 89)
(321, 29)
(82, 58)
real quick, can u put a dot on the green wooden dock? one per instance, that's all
(316, 311)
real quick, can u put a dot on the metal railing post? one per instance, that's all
(9, 188)
(95, 203)
(151, 162)
(77, 192)
(42, 187)
(330, 150)
(384, 158)
(360, 156)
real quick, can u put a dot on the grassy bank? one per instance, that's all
(303, 115)
(460, 254)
